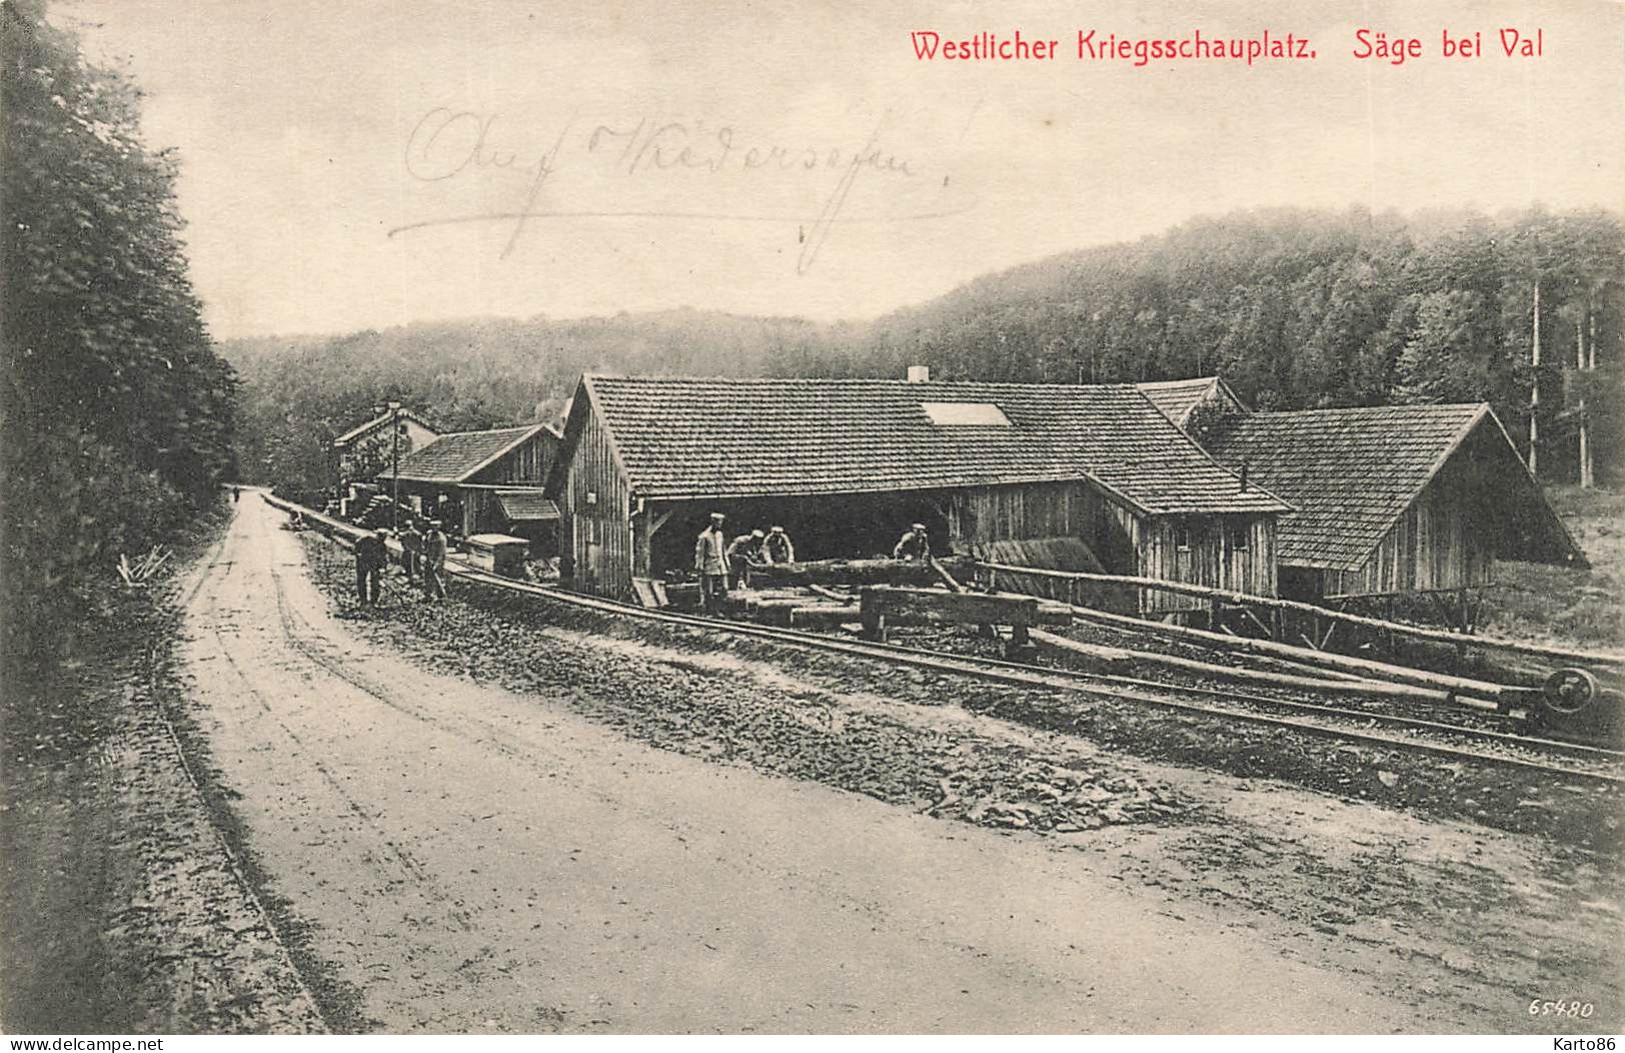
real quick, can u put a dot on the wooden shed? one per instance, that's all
(847, 465)
(1394, 499)
(486, 481)
(359, 452)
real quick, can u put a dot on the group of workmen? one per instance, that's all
(723, 564)
(423, 557)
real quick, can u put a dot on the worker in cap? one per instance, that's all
(371, 555)
(745, 552)
(711, 564)
(778, 548)
(433, 563)
(411, 549)
(915, 544)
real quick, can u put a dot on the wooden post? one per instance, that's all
(645, 525)
(642, 552)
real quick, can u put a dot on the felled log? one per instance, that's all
(823, 616)
(860, 572)
(1460, 687)
(1116, 656)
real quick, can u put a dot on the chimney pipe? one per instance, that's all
(919, 374)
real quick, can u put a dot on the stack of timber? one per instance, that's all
(796, 608)
(857, 572)
(883, 606)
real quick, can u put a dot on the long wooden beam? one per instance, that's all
(1364, 667)
(1263, 678)
(1443, 636)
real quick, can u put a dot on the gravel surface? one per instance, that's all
(825, 718)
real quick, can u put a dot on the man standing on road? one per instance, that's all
(411, 549)
(711, 561)
(434, 562)
(370, 557)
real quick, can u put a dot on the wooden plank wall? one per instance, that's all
(596, 537)
(1437, 545)
(1228, 552)
(1224, 552)
(526, 465)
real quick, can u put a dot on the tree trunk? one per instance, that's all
(1534, 390)
(1588, 362)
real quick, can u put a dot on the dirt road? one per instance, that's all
(467, 859)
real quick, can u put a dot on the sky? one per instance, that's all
(349, 164)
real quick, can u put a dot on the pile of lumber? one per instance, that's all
(798, 608)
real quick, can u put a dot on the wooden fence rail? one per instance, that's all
(1243, 599)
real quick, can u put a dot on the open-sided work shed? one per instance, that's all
(1394, 499)
(846, 465)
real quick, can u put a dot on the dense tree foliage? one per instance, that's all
(299, 394)
(118, 415)
(1303, 309)
(1295, 309)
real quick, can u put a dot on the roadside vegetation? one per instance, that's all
(118, 414)
(119, 909)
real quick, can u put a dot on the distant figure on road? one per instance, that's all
(915, 544)
(236, 492)
(744, 553)
(370, 558)
(434, 562)
(778, 547)
(411, 549)
(711, 562)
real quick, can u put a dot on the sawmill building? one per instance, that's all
(1394, 500)
(847, 465)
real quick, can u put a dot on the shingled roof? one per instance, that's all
(1177, 398)
(1353, 472)
(457, 455)
(377, 422)
(716, 438)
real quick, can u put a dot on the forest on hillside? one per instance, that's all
(1294, 308)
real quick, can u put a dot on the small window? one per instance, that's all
(1240, 538)
(1182, 535)
(950, 414)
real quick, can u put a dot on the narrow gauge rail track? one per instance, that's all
(1149, 692)
(1322, 721)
